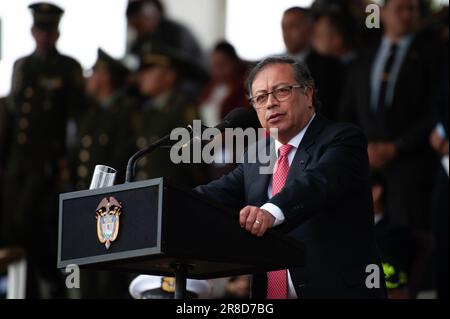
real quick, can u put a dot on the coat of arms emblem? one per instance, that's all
(107, 214)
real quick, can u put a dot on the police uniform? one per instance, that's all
(103, 137)
(104, 130)
(157, 287)
(45, 92)
(159, 115)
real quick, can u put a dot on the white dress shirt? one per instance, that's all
(275, 210)
(378, 69)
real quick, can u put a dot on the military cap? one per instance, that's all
(114, 67)
(46, 15)
(156, 54)
(157, 287)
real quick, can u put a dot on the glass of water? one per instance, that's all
(103, 177)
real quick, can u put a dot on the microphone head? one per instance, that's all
(241, 117)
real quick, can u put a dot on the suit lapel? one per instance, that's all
(410, 59)
(302, 156)
(260, 182)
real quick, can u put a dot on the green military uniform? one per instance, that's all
(162, 113)
(45, 92)
(157, 119)
(104, 133)
(103, 137)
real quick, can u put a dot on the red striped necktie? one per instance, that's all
(277, 287)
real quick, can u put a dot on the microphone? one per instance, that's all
(238, 117)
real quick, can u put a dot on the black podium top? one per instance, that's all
(162, 225)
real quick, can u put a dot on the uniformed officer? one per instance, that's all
(104, 131)
(104, 137)
(165, 109)
(157, 287)
(45, 93)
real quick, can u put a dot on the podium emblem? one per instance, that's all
(107, 214)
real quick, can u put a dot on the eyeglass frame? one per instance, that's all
(291, 87)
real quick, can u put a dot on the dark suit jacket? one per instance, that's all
(328, 74)
(327, 204)
(409, 117)
(407, 122)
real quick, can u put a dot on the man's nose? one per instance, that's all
(271, 101)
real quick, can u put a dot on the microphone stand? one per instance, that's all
(131, 166)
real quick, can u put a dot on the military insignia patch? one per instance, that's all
(107, 214)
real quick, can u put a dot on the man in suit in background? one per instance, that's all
(388, 95)
(297, 26)
(318, 192)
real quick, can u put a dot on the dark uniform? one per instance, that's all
(104, 131)
(159, 115)
(45, 93)
(103, 137)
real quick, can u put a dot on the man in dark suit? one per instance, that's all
(318, 193)
(297, 26)
(388, 95)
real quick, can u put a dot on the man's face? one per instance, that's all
(97, 81)
(289, 116)
(45, 38)
(400, 16)
(296, 28)
(156, 80)
(223, 69)
(325, 39)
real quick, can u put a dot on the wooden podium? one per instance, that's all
(167, 230)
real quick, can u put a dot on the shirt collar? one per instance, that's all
(297, 139)
(301, 56)
(402, 43)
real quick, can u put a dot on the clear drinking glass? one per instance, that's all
(103, 177)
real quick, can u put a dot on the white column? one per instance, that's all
(205, 18)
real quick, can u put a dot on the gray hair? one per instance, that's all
(301, 74)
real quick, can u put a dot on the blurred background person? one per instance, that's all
(356, 9)
(388, 95)
(46, 90)
(224, 92)
(297, 26)
(158, 287)
(104, 137)
(104, 129)
(166, 108)
(150, 24)
(334, 36)
(404, 254)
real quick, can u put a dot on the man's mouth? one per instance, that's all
(275, 117)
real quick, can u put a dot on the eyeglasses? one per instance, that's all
(280, 94)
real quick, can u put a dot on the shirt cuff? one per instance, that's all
(275, 211)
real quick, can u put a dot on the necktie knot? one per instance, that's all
(285, 149)
(393, 48)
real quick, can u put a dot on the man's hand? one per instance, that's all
(255, 220)
(381, 153)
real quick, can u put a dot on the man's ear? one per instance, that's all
(309, 93)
